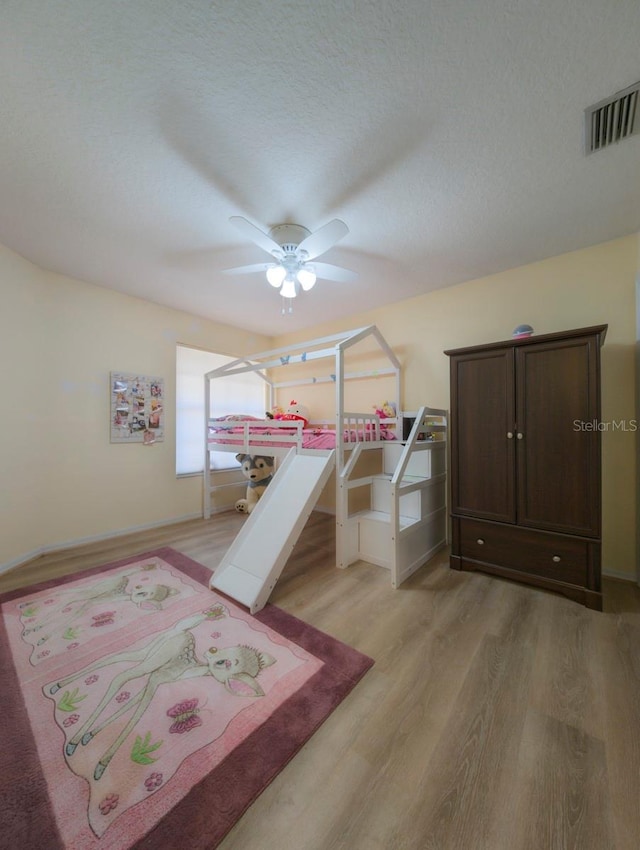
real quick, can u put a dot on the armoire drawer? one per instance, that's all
(552, 556)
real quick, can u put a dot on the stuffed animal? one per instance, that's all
(387, 410)
(258, 470)
(296, 411)
(275, 413)
(292, 413)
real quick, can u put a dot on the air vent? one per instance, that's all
(613, 119)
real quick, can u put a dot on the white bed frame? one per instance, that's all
(405, 523)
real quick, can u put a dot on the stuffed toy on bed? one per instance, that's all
(296, 412)
(293, 413)
(258, 471)
(387, 410)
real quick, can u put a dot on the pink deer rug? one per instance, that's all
(141, 709)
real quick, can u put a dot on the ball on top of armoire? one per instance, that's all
(522, 331)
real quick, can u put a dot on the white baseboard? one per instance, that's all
(96, 538)
(21, 559)
(619, 576)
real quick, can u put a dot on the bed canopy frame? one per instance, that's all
(334, 347)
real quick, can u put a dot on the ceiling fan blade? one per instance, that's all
(329, 272)
(324, 238)
(254, 267)
(262, 240)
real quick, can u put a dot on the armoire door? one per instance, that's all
(482, 455)
(557, 443)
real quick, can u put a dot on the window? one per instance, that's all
(244, 393)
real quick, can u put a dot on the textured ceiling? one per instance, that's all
(447, 134)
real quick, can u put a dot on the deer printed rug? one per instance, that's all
(141, 709)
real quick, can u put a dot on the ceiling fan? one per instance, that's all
(292, 248)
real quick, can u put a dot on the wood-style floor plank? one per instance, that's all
(496, 717)
(567, 681)
(619, 659)
(561, 797)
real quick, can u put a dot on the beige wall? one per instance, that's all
(583, 288)
(63, 481)
(59, 339)
(23, 403)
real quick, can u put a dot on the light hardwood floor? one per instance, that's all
(496, 717)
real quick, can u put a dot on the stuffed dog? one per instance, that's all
(258, 470)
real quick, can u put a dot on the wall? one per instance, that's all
(638, 418)
(579, 289)
(23, 405)
(63, 481)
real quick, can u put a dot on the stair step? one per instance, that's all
(383, 517)
(407, 479)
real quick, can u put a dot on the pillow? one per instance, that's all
(235, 417)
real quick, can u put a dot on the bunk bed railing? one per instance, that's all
(357, 427)
(252, 434)
(240, 435)
(417, 441)
(428, 433)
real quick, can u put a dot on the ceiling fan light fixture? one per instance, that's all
(292, 251)
(306, 277)
(288, 287)
(276, 275)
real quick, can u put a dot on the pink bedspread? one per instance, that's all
(312, 438)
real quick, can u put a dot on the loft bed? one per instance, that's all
(408, 489)
(281, 435)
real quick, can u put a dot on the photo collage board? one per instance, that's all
(137, 408)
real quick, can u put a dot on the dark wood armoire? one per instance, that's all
(525, 461)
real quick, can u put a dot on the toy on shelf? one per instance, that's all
(522, 331)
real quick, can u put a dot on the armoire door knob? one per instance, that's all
(509, 435)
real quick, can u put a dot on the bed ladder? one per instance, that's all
(406, 523)
(254, 561)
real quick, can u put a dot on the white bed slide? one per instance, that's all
(252, 565)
